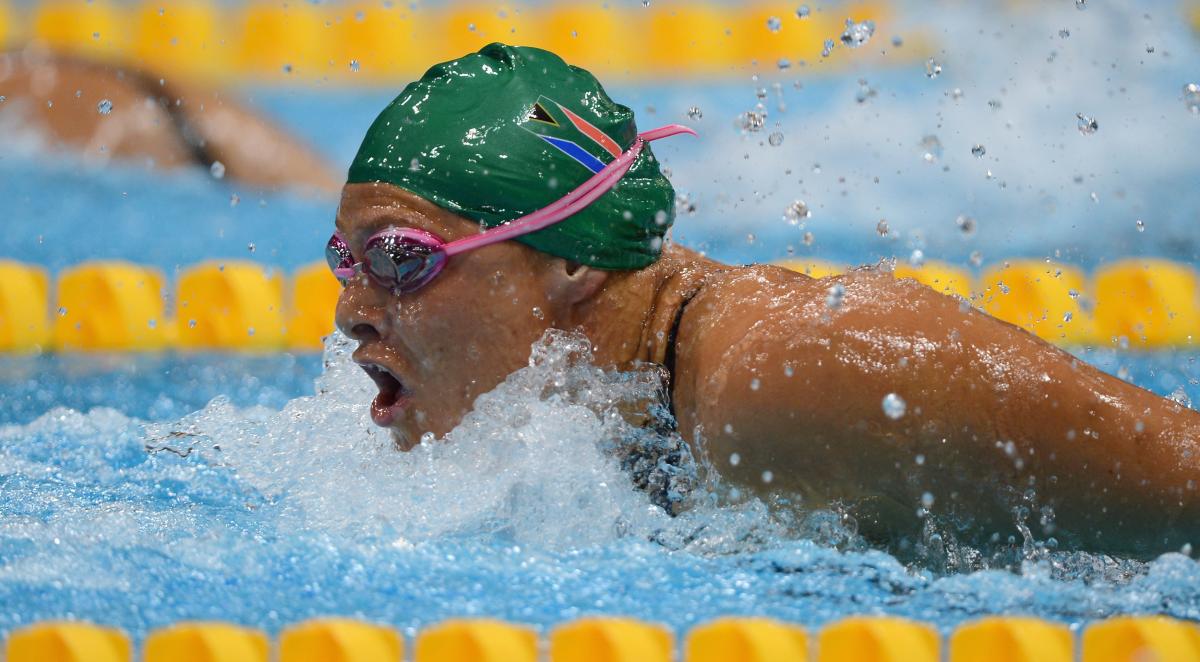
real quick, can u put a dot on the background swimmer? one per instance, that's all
(106, 111)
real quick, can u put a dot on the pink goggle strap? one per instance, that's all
(571, 203)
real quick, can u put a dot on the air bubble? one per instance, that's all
(354, 66)
(966, 225)
(917, 257)
(776, 139)
(807, 239)
(734, 459)
(882, 227)
(802, 11)
(1081, 4)
(774, 24)
(1141, 226)
(927, 500)
(695, 113)
(768, 476)
(755, 384)
(894, 406)
(217, 169)
(250, 247)
(978, 151)
(104, 107)
(827, 48)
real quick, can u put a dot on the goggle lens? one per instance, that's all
(338, 257)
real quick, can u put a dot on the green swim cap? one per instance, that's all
(503, 132)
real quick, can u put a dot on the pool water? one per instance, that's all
(141, 491)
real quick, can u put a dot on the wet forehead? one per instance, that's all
(368, 208)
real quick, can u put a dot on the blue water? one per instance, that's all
(130, 496)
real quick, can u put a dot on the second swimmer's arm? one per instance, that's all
(792, 381)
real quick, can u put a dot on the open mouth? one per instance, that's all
(392, 397)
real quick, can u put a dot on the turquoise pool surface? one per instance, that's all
(140, 491)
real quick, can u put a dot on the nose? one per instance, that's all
(360, 314)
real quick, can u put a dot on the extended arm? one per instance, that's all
(770, 371)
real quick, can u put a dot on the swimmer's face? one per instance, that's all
(433, 351)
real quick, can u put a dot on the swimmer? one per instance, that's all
(108, 112)
(504, 194)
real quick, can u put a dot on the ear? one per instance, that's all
(570, 283)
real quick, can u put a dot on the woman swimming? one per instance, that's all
(857, 389)
(106, 111)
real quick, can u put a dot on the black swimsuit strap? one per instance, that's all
(669, 359)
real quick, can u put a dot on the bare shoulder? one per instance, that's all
(766, 300)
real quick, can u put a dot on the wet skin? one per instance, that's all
(57, 98)
(766, 369)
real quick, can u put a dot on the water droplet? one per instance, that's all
(917, 258)
(695, 113)
(354, 66)
(857, 34)
(933, 68)
(1087, 125)
(828, 48)
(835, 296)
(978, 151)
(796, 213)
(755, 384)
(104, 107)
(774, 24)
(882, 227)
(864, 91)
(776, 139)
(734, 459)
(753, 120)
(1191, 97)
(894, 406)
(966, 225)
(931, 148)
(802, 11)
(768, 476)
(217, 169)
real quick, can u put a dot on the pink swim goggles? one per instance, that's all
(406, 259)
